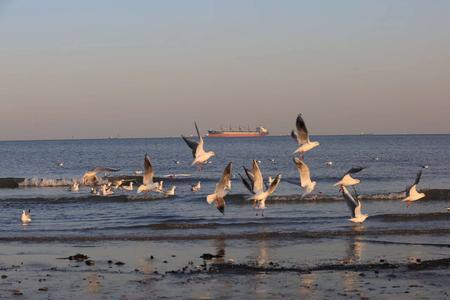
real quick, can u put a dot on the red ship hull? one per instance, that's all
(236, 134)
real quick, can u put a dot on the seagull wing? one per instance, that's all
(358, 208)
(303, 170)
(411, 190)
(246, 183)
(302, 131)
(226, 177)
(355, 170)
(273, 186)
(351, 202)
(192, 144)
(419, 174)
(148, 171)
(258, 180)
(199, 151)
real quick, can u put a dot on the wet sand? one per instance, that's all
(223, 268)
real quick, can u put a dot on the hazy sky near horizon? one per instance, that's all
(90, 69)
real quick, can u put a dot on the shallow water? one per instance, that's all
(392, 162)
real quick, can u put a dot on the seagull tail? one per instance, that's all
(211, 198)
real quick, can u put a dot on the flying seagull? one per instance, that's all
(305, 177)
(91, 177)
(411, 192)
(255, 184)
(354, 205)
(198, 152)
(302, 137)
(147, 179)
(347, 179)
(221, 190)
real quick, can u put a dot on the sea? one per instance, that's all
(36, 175)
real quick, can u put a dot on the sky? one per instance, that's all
(95, 69)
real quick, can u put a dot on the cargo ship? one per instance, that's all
(260, 131)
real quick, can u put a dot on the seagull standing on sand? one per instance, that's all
(305, 177)
(221, 190)
(348, 180)
(198, 152)
(25, 217)
(147, 180)
(255, 184)
(411, 192)
(196, 187)
(91, 177)
(302, 137)
(354, 205)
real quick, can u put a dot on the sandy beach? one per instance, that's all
(226, 269)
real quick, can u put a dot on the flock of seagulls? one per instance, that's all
(253, 179)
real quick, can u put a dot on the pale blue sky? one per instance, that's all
(150, 68)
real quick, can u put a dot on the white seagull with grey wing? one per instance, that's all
(302, 137)
(255, 184)
(201, 157)
(411, 192)
(221, 190)
(347, 179)
(305, 177)
(354, 205)
(147, 179)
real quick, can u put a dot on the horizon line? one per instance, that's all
(169, 137)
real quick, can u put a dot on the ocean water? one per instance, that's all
(392, 163)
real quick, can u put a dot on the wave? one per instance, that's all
(435, 216)
(269, 235)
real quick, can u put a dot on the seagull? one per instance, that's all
(305, 177)
(147, 180)
(177, 162)
(221, 190)
(105, 190)
(60, 164)
(348, 180)
(26, 216)
(302, 137)
(75, 187)
(200, 156)
(255, 184)
(91, 178)
(354, 205)
(411, 192)
(329, 163)
(196, 187)
(128, 187)
(260, 198)
(272, 160)
(171, 191)
(425, 166)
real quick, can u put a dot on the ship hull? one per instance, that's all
(236, 134)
